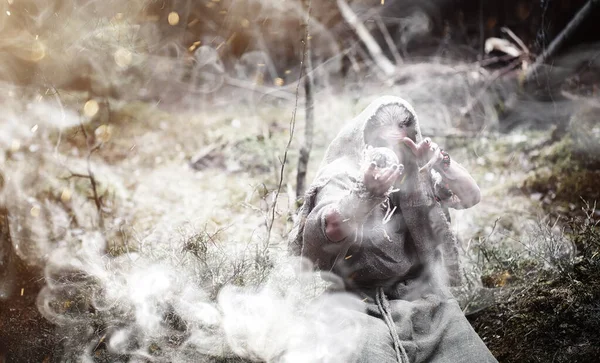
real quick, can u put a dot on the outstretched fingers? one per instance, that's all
(385, 173)
(396, 172)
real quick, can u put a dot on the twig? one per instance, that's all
(389, 41)
(279, 93)
(91, 175)
(497, 74)
(516, 39)
(309, 115)
(561, 38)
(374, 49)
(205, 152)
(573, 97)
(492, 60)
(292, 129)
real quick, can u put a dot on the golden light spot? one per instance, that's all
(231, 38)
(173, 18)
(37, 51)
(34, 128)
(65, 196)
(35, 211)
(278, 82)
(22, 291)
(210, 5)
(15, 146)
(91, 107)
(123, 57)
(223, 12)
(104, 133)
(382, 2)
(67, 304)
(194, 45)
(288, 71)
(8, 12)
(245, 23)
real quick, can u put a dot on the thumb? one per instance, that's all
(411, 145)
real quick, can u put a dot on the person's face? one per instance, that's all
(392, 137)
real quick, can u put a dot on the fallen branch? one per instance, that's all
(389, 41)
(574, 97)
(516, 39)
(196, 160)
(561, 38)
(374, 49)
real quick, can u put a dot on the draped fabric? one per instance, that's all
(397, 260)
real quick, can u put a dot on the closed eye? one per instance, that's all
(407, 122)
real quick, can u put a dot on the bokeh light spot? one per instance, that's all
(123, 57)
(91, 107)
(65, 196)
(35, 211)
(173, 18)
(15, 145)
(104, 133)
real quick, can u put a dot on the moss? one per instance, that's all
(553, 318)
(563, 174)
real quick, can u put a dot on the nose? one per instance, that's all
(396, 134)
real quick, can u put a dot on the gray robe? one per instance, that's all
(398, 265)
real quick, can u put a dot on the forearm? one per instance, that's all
(461, 183)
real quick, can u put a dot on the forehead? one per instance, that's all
(392, 115)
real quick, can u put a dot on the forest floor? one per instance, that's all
(527, 294)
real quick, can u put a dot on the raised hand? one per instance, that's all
(378, 181)
(425, 150)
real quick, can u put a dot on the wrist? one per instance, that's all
(444, 162)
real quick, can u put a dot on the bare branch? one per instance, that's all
(490, 81)
(374, 50)
(389, 41)
(561, 38)
(292, 129)
(309, 116)
(516, 39)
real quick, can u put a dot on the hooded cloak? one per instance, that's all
(413, 242)
(394, 260)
